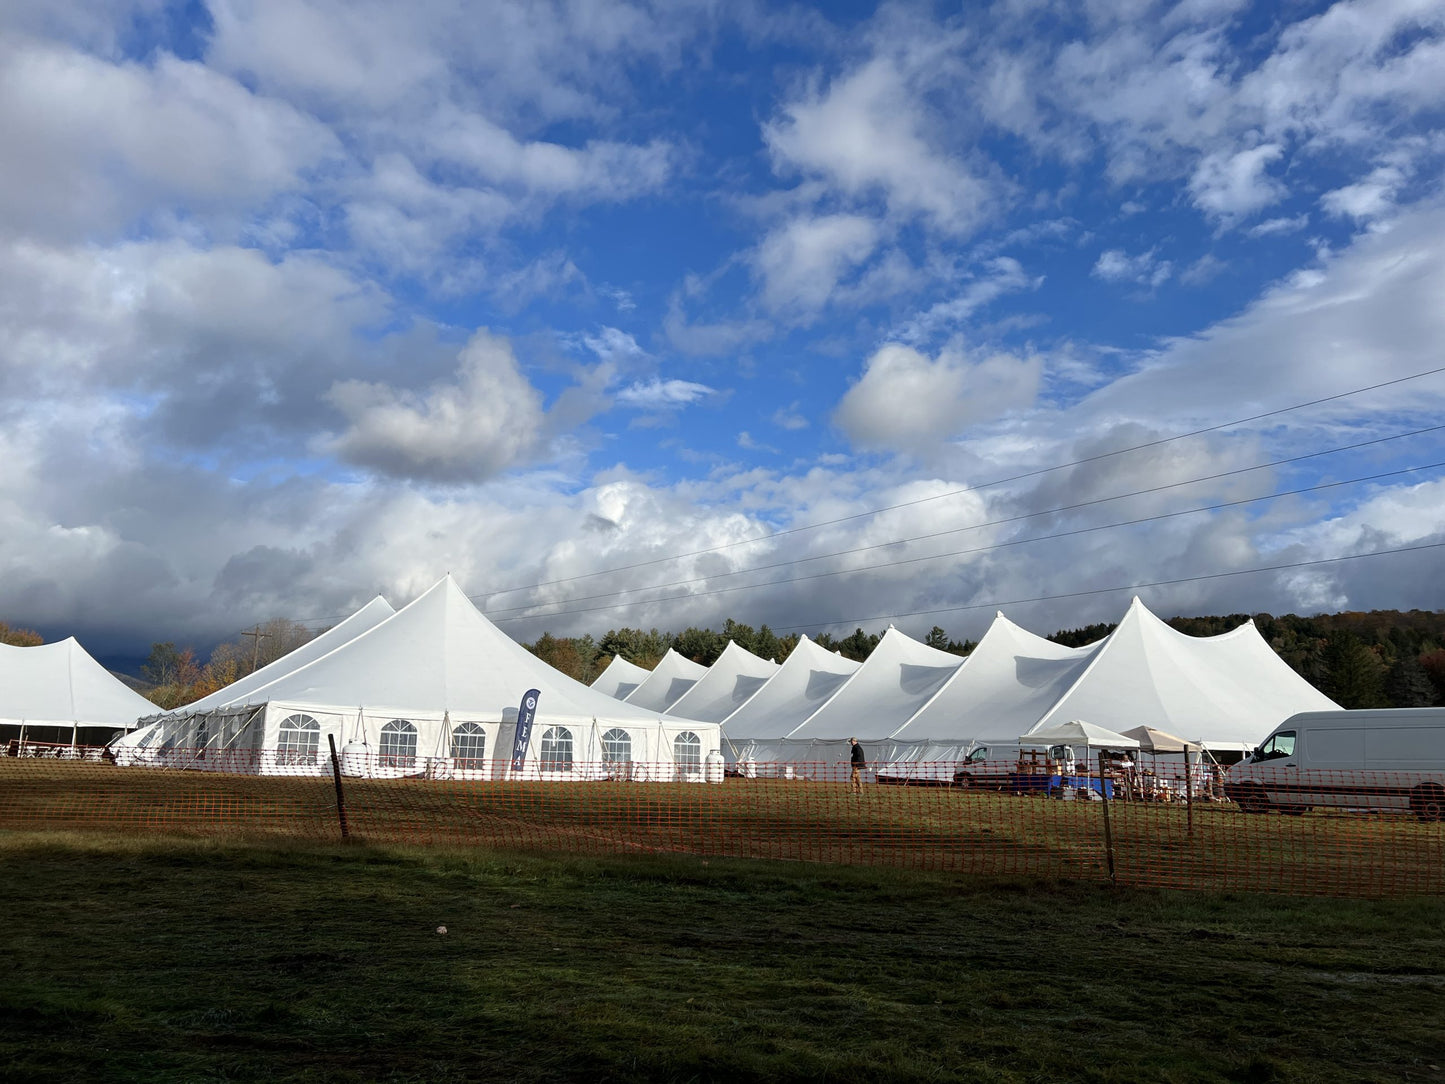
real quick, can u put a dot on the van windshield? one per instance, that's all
(979, 754)
(1278, 745)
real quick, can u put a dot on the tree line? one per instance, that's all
(1383, 658)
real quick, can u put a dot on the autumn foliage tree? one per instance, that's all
(19, 637)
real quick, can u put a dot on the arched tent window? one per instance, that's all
(398, 744)
(687, 752)
(557, 749)
(617, 746)
(469, 745)
(299, 741)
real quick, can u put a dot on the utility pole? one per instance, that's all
(256, 637)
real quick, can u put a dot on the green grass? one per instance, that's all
(135, 958)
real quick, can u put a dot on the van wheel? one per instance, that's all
(962, 780)
(1428, 802)
(1251, 798)
(1294, 810)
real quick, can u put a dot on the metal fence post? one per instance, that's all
(336, 776)
(1108, 828)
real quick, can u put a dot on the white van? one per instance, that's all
(1387, 758)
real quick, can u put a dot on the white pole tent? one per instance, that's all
(1225, 692)
(135, 747)
(620, 678)
(808, 678)
(434, 690)
(728, 684)
(57, 694)
(368, 617)
(668, 682)
(1008, 683)
(898, 678)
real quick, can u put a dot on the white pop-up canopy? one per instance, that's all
(728, 684)
(1158, 741)
(668, 683)
(434, 687)
(620, 678)
(58, 693)
(1077, 733)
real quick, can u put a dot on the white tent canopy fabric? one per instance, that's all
(368, 617)
(435, 687)
(807, 679)
(668, 683)
(1010, 681)
(1225, 692)
(620, 678)
(922, 711)
(898, 678)
(728, 684)
(58, 693)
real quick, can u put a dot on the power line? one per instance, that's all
(973, 550)
(999, 522)
(970, 489)
(1127, 587)
(976, 549)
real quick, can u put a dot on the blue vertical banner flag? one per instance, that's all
(525, 714)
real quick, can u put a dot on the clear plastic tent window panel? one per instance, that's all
(617, 746)
(469, 746)
(398, 744)
(687, 751)
(299, 741)
(557, 749)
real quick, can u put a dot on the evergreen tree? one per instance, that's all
(699, 645)
(937, 638)
(766, 645)
(1354, 675)
(858, 646)
(1407, 685)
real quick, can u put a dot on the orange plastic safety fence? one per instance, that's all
(1323, 833)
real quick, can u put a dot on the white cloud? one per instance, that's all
(1369, 199)
(610, 343)
(1115, 265)
(1003, 275)
(1364, 315)
(790, 418)
(869, 134)
(91, 145)
(802, 262)
(1273, 226)
(1230, 186)
(469, 430)
(659, 394)
(905, 400)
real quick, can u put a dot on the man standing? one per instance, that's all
(856, 782)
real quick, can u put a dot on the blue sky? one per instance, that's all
(303, 300)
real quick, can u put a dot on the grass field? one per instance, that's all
(147, 958)
(1214, 847)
